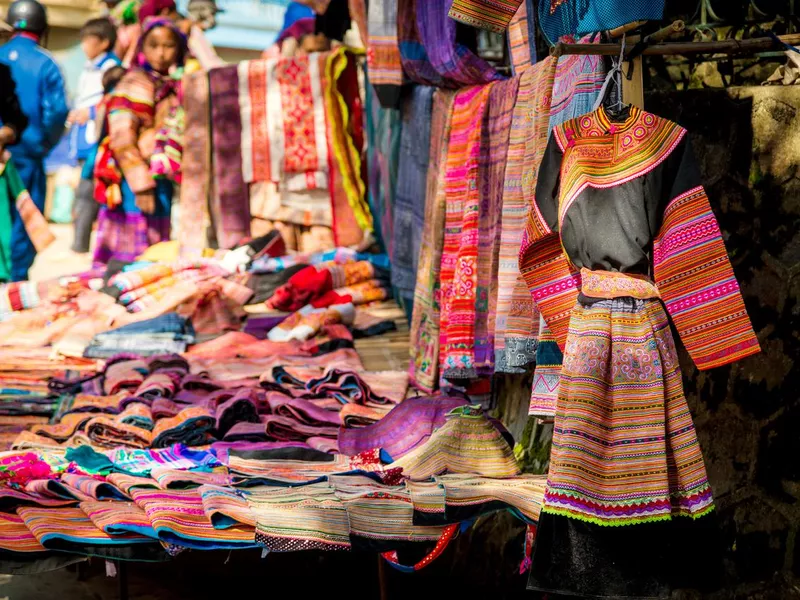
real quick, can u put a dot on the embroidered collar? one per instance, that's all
(607, 125)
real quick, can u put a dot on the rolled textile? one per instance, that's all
(424, 335)
(169, 479)
(403, 429)
(17, 539)
(323, 444)
(356, 415)
(412, 172)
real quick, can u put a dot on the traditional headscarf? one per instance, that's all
(153, 8)
(148, 26)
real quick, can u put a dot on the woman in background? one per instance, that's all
(136, 204)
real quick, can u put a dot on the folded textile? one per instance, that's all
(308, 321)
(11, 498)
(126, 482)
(221, 449)
(288, 429)
(313, 282)
(357, 415)
(247, 432)
(137, 414)
(192, 427)
(119, 518)
(406, 427)
(468, 443)
(493, 15)
(301, 410)
(71, 530)
(142, 462)
(16, 538)
(158, 385)
(226, 507)
(305, 518)
(468, 496)
(178, 518)
(94, 488)
(180, 479)
(240, 344)
(124, 374)
(143, 344)
(323, 444)
(63, 430)
(339, 256)
(110, 432)
(241, 408)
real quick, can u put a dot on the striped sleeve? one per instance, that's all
(695, 276)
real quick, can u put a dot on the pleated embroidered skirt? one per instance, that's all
(625, 463)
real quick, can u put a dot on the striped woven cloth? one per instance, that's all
(493, 15)
(119, 518)
(226, 507)
(178, 518)
(468, 443)
(95, 488)
(16, 538)
(70, 529)
(383, 52)
(311, 517)
(467, 496)
(425, 320)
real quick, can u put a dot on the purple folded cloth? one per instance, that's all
(284, 429)
(259, 327)
(241, 408)
(246, 432)
(164, 408)
(406, 426)
(302, 411)
(191, 396)
(199, 382)
(221, 449)
(128, 400)
(323, 444)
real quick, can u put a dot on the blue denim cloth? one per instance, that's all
(168, 323)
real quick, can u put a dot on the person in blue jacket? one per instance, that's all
(40, 87)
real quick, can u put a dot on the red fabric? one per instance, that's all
(330, 299)
(303, 288)
(153, 8)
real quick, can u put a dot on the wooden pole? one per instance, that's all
(623, 29)
(633, 88)
(672, 48)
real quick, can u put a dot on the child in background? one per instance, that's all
(98, 37)
(86, 205)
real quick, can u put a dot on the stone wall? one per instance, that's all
(747, 141)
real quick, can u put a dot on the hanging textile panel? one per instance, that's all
(522, 37)
(353, 221)
(459, 278)
(196, 166)
(424, 337)
(454, 61)
(568, 17)
(383, 52)
(409, 216)
(384, 126)
(358, 12)
(517, 317)
(230, 205)
(579, 80)
(493, 15)
(283, 122)
(416, 64)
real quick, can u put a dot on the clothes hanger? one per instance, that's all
(610, 97)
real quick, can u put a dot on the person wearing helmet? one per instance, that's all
(40, 87)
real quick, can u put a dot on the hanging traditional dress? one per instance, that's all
(621, 228)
